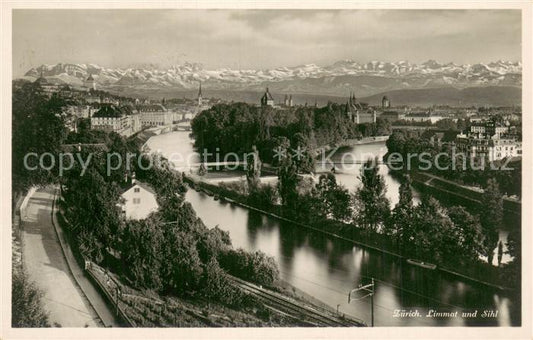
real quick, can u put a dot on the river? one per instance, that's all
(329, 268)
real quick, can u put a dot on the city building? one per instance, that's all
(46, 87)
(491, 140)
(90, 83)
(392, 116)
(138, 200)
(358, 112)
(135, 122)
(80, 111)
(385, 102)
(155, 115)
(288, 101)
(267, 99)
(110, 118)
(423, 117)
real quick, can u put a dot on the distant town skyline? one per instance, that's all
(261, 39)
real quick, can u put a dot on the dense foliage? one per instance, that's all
(38, 126)
(27, 306)
(373, 206)
(237, 127)
(171, 251)
(416, 143)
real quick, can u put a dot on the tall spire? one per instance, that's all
(200, 94)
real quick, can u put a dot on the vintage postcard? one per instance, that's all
(321, 170)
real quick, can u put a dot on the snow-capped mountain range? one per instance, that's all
(338, 78)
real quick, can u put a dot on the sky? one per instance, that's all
(261, 39)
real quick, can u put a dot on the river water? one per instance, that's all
(328, 268)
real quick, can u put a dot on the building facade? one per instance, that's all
(358, 112)
(90, 83)
(385, 102)
(267, 99)
(138, 201)
(490, 140)
(110, 118)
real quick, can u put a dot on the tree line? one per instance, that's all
(237, 127)
(412, 142)
(171, 252)
(427, 231)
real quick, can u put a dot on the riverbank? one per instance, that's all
(351, 142)
(476, 272)
(457, 193)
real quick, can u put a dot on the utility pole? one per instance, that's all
(369, 288)
(372, 303)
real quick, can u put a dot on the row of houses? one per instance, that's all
(127, 119)
(492, 140)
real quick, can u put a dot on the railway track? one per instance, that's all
(307, 315)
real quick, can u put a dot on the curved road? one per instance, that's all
(45, 262)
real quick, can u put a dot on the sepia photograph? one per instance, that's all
(196, 168)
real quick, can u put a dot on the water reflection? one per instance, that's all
(329, 268)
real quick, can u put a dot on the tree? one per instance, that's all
(182, 269)
(383, 127)
(371, 198)
(91, 208)
(399, 223)
(333, 199)
(287, 175)
(265, 195)
(26, 302)
(38, 126)
(491, 215)
(256, 267)
(467, 234)
(301, 147)
(514, 248)
(141, 253)
(430, 229)
(288, 181)
(253, 170)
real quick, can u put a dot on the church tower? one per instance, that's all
(200, 95)
(267, 99)
(385, 102)
(90, 83)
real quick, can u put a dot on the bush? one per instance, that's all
(264, 196)
(26, 303)
(255, 267)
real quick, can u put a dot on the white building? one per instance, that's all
(110, 118)
(138, 201)
(423, 117)
(155, 115)
(490, 140)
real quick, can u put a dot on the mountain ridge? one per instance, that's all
(338, 79)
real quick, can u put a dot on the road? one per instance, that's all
(45, 262)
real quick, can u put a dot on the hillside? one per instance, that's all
(476, 96)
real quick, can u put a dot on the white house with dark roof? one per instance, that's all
(110, 118)
(138, 201)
